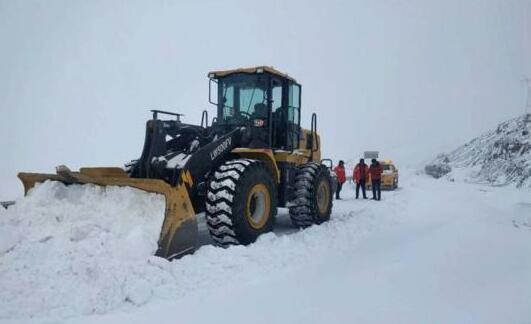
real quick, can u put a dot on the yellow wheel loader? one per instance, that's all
(253, 158)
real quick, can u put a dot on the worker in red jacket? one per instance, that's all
(376, 171)
(361, 173)
(341, 178)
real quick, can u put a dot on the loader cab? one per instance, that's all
(261, 98)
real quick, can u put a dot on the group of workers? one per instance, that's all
(362, 173)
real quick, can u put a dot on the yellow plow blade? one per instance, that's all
(179, 230)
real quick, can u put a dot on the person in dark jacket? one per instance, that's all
(341, 178)
(361, 173)
(376, 171)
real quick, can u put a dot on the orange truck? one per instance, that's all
(389, 176)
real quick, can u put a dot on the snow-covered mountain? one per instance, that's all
(499, 157)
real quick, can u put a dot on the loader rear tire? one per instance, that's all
(241, 202)
(312, 203)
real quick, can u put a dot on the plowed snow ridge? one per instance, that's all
(77, 250)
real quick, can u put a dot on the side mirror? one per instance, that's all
(212, 87)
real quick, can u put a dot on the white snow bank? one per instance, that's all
(77, 250)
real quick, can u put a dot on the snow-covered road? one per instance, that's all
(430, 252)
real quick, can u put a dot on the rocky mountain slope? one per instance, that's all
(499, 157)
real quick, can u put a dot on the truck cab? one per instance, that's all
(262, 98)
(389, 175)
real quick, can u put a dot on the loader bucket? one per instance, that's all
(179, 230)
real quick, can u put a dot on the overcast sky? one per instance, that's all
(409, 78)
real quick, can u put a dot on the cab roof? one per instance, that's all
(250, 70)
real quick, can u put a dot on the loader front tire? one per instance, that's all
(241, 202)
(312, 203)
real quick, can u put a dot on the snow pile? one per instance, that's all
(499, 157)
(77, 250)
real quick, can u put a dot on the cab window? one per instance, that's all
(276, 94)
(241, 98)
(294, 103)
(293, 115)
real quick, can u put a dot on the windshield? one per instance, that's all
(242, 98)
(387, 167)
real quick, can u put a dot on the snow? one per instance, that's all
(77, 250)
(501, 156)
(178, 161)
(227, 183)
(431, 251)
